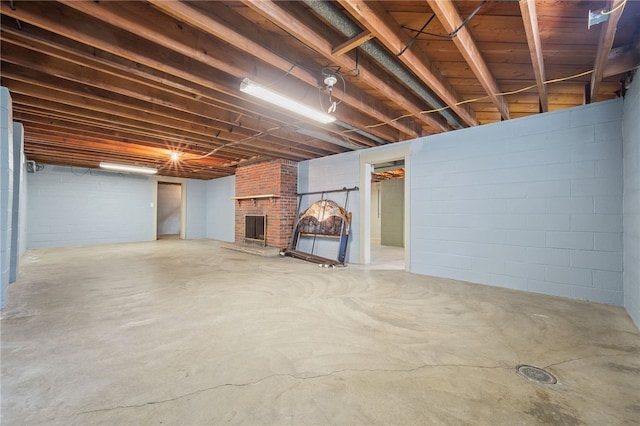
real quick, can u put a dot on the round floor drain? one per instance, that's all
(536, 374)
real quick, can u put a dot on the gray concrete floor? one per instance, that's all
(188, 333)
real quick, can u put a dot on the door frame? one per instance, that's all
(183, 204)
(369, 158)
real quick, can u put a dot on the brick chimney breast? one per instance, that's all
(275, 178)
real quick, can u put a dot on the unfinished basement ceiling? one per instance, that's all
(129, 82)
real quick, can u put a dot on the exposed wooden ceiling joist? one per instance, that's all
(373, 16)
(530, 21)
(450, 18)
(286, 19)
(135, 80)
(605, 42)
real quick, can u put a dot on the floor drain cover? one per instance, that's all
(536, 374)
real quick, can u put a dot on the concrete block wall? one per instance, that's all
(221, 208)
(392, 220)
(17, 180)
(6, 190)
(329, 173)
(631, 197)
(532, 204)
(72, 207)
(23, 209)
(195, 221)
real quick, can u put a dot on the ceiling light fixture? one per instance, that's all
(254, 89)
(126, 168)
(175, 156)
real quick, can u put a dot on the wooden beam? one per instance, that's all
(99, 108)
(213, 26)
(352, 43)
(374, 17)
(530, 21)
(80, 121)
(622, 59)
(218, 106)
(126, 45)
(75, 65)
(61, 126)
(286, 19)
(450, 19)
(605, 42)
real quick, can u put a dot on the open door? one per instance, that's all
(387, 215)
(169, 211)
(384, 201)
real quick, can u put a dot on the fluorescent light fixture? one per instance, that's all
(129, 169)
(254, 89)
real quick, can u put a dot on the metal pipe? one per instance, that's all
(345, 189)
(361, 132)
(335, 17)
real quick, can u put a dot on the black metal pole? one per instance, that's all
(345, 189)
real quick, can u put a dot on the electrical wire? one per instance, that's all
(614, 9)
(241, 142)
(327, 72)
(482, 98)
(415, 37)
(282, 76)
(452, 34)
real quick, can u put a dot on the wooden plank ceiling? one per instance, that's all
(130, 82)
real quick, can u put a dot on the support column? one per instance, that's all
(18, 171)
(6, 189)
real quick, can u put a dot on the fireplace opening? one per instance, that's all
(254, 228)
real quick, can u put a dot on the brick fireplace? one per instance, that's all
(267, 189)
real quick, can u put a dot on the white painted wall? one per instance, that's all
(23, 209)
(18, 178)
(196, 222)
(532, 204)
(392, 200)
(6, 190)
(325, 174)
(72, 207)
(631, 208)
(376, 212)
(221, 208)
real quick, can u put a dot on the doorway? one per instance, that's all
(387, 214)
(169, 211)
(384, 197)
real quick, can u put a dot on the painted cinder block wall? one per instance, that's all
(6, 190)
(532, 204)
(631, 197)
(221, 208)
(74, 207)
(196, 205)
(327, 174)
(18, 184)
